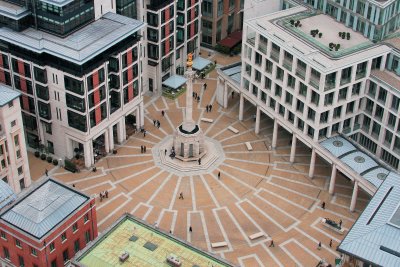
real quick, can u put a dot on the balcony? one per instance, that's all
(314, 81)
(361, 75)
(251, 40)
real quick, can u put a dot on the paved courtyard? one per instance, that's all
(258, 191)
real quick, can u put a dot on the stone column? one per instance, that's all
(225, 97)
(257, 126)
(293, 149)
(111, 137)
(241, 104)
(88, 153)
(333, 179)
(120, 131)
(141, 113)
(354, 197)
(106, 141)
(275, 134)
(312, 164)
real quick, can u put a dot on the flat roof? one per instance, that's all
(7, 94)
(7, 195)
(233, 71)
(57, 2)
(79, 46)
(175, 81)
(357, 160)
(374, 238)
(42, 207)
(276, 27)
(13, 11)
(146, 245)
(200, 63)
(387, 77)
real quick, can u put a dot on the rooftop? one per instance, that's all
(387, 77)
(41, 208)
(358, 161)
(7, 94)
(12, 11)
(276, 27)
(146, 245)
(374, 238)
(79, 46)
(6, 194)
(57, 2)
(233, 72)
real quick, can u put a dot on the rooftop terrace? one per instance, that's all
(146, 246)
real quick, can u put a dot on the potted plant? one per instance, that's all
(55, 162)
(320, 34)
(343, 35)
(43, 156)
(292, 22)
(115, 151)
(348, 36)
(337, 47)
(49, 159)
(37, 154)
(340, 34)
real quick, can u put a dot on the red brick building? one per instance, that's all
(46, 225)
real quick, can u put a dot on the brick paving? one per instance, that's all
(259, 191)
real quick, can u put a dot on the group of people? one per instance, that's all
(142, 130)
(209, 108)
(143, 149)
(103, 194)
(172, 155)
(157, 123)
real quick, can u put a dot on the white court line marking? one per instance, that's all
(222, 230)
(315, 227)
(209, 191)
(316, 242)
(145, 183)
(205, 230)
(271, 254)
(160, 187)
(113, 212)
(267, 216)
(193, 193)
(175, 194)
(251, 256)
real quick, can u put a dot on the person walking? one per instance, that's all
(198, 99)
(319, 246)
(205, 86)
(106, 193)
(323, 205)
(46, 172)
(165, 152)
(144, 149)
(199, 161)
(330, 243)
(210, 107)
(233, 94)
(141, 149)
(163, 113)
(207, 108)
(190, 229)
(144, 133)
(340, 223)
(272, 243)
(219, 175)
(181, 195)
(154, 122)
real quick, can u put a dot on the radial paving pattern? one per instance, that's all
(258, 191)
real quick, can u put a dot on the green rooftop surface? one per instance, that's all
(105, 251)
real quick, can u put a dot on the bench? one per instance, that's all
(218, 244)
(339, 231)
(230, 128)
(207, 120)
(249, 147)
(256, 235)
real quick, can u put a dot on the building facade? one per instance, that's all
(78, 80)
(14, 166)
(46, 226)
(219, 19)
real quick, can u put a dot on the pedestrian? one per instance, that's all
(101, 196)
(323, 205)
(163, 113)
(199, 161)
(340, 223)
(190, 229)
(144, 133)
(106, 192)
(233, 94)
(158, 124)
(205, 86)
(210, 107)
(219, 175)
(319, 246)
(272, 243)
(330, 243)
(46, 172)
(165, 152)
(73, 185)
(207, 108)
(141, 149)
(144, 149)
(154, 122)
(198, 99)
(193, 94)
(181, 195)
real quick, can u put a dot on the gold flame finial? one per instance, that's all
(189, 60)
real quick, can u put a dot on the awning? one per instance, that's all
(200, 63)
(174, 82)
(232, 40)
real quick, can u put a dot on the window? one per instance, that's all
(87, 236)
(300, 106)
(21, 261)
(16, 140)
(279, 73)
(13, 123)
(382, 95)
(303, 89)
(343, 93)
(18, 243)
(54, 263)
(18, 154)
(268, 66)
(52, 247)
(20, 171)
(6, 253)
(291, 81)
(33, 251)
(75, 227)
(395, 103)
(86, 218)
(65, 255)
(10, 104)
(3, 235)
(278, 90)
(63, 236)
(76, 246)
(311, 114)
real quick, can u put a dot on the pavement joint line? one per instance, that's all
(145, 182)
(269, 252)
(205, 230)
(130, 156)
(345, 196)
(249, 152)
(336, 214)
(160, 129)
(173, 223)
(129, 165)
(226, 188)
(114, 211)
(260, 229)
(293, 191)
(243, 170)
(277, 208)
(314, 226)
(142, 139)
(160, 216)
(133, 175)
(106, 202)
(251, 161)
(267, 216)
(223, 232)
(240, 143)
(160, 187)
(99, 184)
(238, 180)
(282, 246)
(250, 256)
(148, 213)
(281, 197)
(316, 242)
(296, 182)
(175, 194)
(298, 172)
(209, 191)
(193, 193)
(235, 135)
(309, 251)
(215, 123)
(151, 134)
(344, 206)
(87, 178)
(189, 224)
